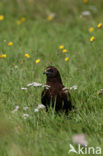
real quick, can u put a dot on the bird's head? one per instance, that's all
(52, 74)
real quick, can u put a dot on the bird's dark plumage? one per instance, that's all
(57, 95)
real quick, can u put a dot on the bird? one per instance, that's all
(56, 95)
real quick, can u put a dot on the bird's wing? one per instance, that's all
(67, 99)
(45, 97)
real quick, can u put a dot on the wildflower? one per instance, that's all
(16, 109)
(25, 108)
(10, 44)
(19, 22)
(27, 55)
(99, 25)
(46, 86)
(50, 18)
(16, 67)
(36, 110)
(85, 1)
(86, 13)
(23, 88)
(25, 116)
(61, 47)
(37, 61)
(91, 29)
(35, 84)
(40, 106)
(23, 19)
(74, 87)
(92, 39)
(66, 59)
(64, 51)
(1, 17)
(3, 56)
(80, 139)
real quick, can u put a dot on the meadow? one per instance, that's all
(33, 35)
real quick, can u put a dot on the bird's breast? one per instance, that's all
(55, 90)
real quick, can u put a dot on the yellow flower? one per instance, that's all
(85, 1)
(37, 61)
(23, 19)
(64, 51)
(99, 25)
(10, 44)
(1, 17)
(3, 56)
(66, 59)
(91, 29)
(18, 22)
(27, 55)
(92, 39)
(61, 47)
(50, 17)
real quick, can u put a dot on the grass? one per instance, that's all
(47, 133)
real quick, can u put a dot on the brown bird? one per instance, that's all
(56, 95)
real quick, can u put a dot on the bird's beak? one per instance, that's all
(44, 72)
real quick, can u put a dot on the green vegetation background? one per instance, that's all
(44, 134)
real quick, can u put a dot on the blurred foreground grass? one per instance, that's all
(26, 25)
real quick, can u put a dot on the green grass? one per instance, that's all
(44, 133)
